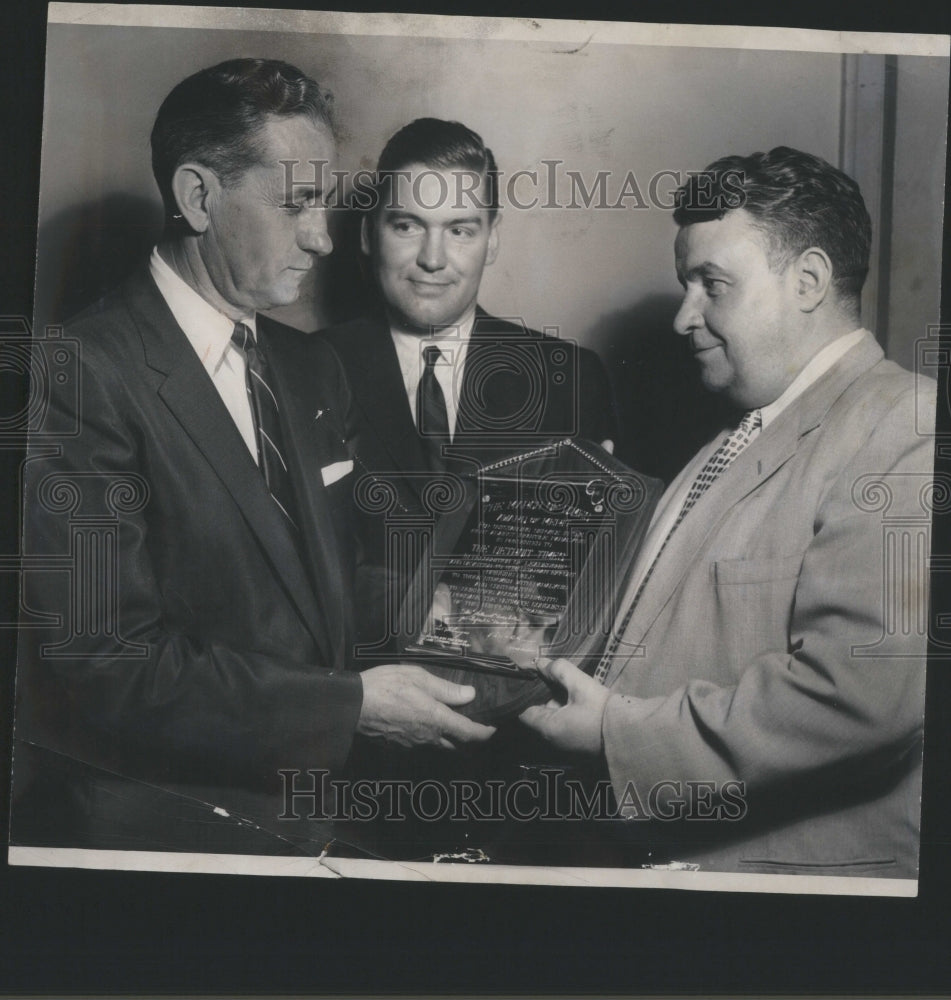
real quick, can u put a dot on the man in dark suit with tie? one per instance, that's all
(192, 637)
(759, 707)
(438, 384)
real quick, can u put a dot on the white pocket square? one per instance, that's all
(337, 470)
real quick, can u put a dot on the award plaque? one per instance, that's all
(530, 565)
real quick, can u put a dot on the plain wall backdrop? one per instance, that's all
(603, 276)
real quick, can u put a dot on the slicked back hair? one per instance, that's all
(439, 145)
(216, 116)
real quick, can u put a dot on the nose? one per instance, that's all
(689, 316)
(312, 233)
(432, 251)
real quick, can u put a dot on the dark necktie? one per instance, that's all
(712, 469)
(432, 420)
(267, 422)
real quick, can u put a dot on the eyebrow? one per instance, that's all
(305, 191)
(704, 269)
(402, 213)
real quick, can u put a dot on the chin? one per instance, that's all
(715, 382)
(286, 297)
(426, 323)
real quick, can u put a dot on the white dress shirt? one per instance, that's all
(209, 333)
(453, 342)
(665, 514)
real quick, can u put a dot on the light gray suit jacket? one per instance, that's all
(780, 643)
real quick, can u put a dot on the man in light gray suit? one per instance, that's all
(765, 678)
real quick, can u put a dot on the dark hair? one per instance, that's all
(796, 199)
(215, 117)
(439, 145)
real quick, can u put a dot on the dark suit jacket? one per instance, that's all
(217, 654)
(519, 389)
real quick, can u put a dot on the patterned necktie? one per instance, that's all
(712, 469)
(432, 419)
(267, 422)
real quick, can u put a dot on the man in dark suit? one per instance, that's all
(768, 660)
(438, 384)
(193, 634)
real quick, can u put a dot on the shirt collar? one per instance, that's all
(452, 342)
(814, 370)
(208, 330)
(448, 340)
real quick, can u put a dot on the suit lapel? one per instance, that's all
(771, 450)
(753, 467)
(478, 409)
(378, 390)
(192, 399)
(484, 424)
(308, 451)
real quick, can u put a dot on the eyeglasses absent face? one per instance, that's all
(429, 243)
(264, 235)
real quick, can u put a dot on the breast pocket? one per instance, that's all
(754, 600)
(338, 489)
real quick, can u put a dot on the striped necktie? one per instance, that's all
(432, 419)
(712, 469)
(267, 422)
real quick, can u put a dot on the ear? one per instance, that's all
(812, 272)
(193, 186)
(366, 224)
(492, 251)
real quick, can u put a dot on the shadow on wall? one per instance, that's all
(87, 250)
(344, 287)
(335, 290)
(664, 412)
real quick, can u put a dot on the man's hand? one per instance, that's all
(575, 725)
(408, 706)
